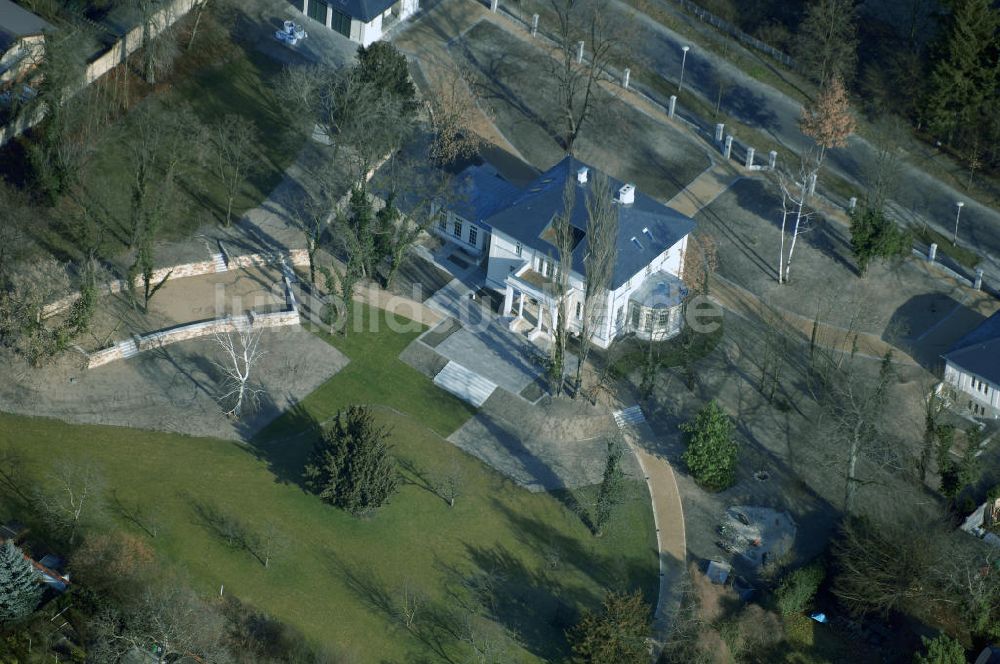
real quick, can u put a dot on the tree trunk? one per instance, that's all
(795, 231)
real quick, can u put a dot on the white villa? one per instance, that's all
(361, 21)
(511, 228)
(972, 368)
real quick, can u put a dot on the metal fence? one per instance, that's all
(734, 31)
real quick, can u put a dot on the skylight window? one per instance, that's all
(636, 242)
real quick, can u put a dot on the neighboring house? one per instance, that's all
(972, 368)
(21, 41)
(512, 228)
(50, 567)
(362, 21)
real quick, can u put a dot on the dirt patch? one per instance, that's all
(171, 389)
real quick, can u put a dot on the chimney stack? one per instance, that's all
(581, 175)
(626, 195)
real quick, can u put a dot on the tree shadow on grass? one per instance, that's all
(285, 444)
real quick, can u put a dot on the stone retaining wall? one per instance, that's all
(298, 257)
(191, 331)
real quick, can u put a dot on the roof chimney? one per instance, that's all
(626, 195)
(581, 175)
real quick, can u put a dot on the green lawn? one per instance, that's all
(339, 578)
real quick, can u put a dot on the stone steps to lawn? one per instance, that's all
(465, 384)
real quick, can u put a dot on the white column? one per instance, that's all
(305, 7)
(728, 149)
(625, 77)
(329, 16)
(508, 300)
(554, 310)
(539, 317)
(534, 25)
(520, 305)
(749, 161)
(672, 106)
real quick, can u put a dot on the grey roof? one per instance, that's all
(363, 10)
(480, 191)
(527, 216)
(17, 22)
(978, 352)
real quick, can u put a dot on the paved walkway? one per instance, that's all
(704, 189)
(668, 518)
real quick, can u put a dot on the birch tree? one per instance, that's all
(794, 211)
(75, 494)
(599, 265)
(241, 352)
(827, 42)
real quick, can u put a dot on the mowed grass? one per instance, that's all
(243, 84)
(339, 578)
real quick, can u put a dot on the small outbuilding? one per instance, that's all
(361, 21)
(22, 40)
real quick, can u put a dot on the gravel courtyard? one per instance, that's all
(171, 389)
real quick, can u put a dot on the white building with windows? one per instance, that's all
(972, 369)
(511, 228)
(361, 21)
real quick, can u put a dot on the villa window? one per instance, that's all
(443, 223)
(517, 248)
(649, 269)
(619, 316)
(473, 235)
(579, 310)
(457, 228)
(628, 284)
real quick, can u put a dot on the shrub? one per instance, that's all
(711, 453)
(797, 590)
(942, 649)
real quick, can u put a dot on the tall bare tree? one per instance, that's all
(827, 42)
(241, 352)
(233, 139)
(75, 495)
(599, 265)
(562, 232)
(576, 83)
(795, 194)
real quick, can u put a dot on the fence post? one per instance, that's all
(812, 183)
(579, 52)
(719, 129)
(672, 107)
(728, 149)
(494, 5)
(853, 203)
(534, 25)
(772, 160)
(979, 279)
(932, 252)
(749, 161)
(625, 76)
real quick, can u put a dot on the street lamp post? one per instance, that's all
(680, 83)
(959, 204)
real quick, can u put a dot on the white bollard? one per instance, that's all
(932, 252)
(579, 52)
(625, 76)
(979, 279)
(749, 161)
(772, 160)
(494, 5)
(719, 129)
(852, 203)
(534, 25)
(672, 108)
(812, 183)
(728, 149)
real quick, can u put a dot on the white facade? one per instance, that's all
(520, 273)
(980, 397)
(473, 238)
(355, 29)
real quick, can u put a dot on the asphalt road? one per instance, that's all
(920, 197)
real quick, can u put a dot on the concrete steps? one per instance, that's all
(129, 349)
(220, 263)
(465, 384)
(630, 416)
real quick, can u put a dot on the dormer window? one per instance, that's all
(636, 242)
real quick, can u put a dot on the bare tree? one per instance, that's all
(234, 140)
(241, 353)
(701, 260)
(562, 233)
(576, 83)
(795, 194)
(828, 39)
(454, 110)
(411, 600)
(599, 265)
(880, 173)
(76, 494)
(451, 482)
